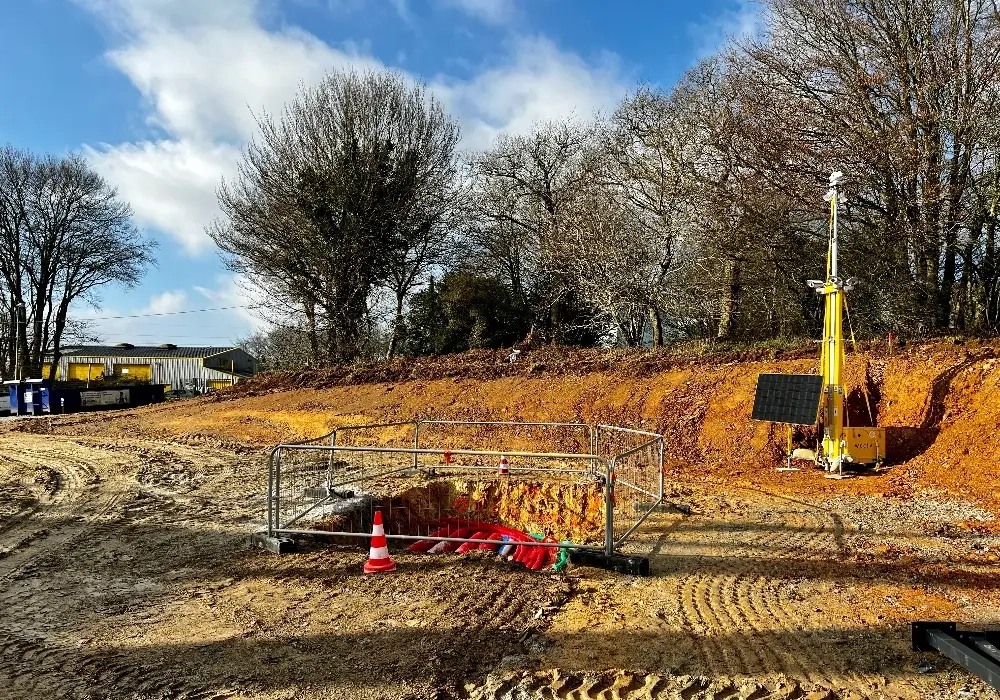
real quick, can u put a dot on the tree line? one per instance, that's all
(689, 213)
(64, 234)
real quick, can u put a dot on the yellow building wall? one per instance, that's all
(140, 372)
(80, 370)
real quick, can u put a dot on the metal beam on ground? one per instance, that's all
(977, 652)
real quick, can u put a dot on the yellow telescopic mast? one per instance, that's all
(833, 355)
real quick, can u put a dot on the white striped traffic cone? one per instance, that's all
(378, 557)
(503, 471)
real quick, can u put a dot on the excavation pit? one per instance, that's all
(561, 511)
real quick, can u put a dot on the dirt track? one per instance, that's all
(124, 573)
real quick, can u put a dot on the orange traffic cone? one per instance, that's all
(503, 471)
(378, 557)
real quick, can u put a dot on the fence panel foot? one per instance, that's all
(619, 563)
(278, 545)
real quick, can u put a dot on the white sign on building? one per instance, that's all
(105, 398)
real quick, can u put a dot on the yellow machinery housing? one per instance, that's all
(865, 445)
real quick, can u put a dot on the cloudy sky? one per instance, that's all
(160, 96)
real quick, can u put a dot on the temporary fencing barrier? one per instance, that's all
(635, 482)
(331, 483)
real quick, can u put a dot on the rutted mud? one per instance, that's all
(125, 573)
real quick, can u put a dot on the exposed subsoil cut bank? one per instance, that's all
(572, 512)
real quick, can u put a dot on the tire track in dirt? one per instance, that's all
(728, 616)
(75, 503)
(16, 525)
(13, 470)
(808, 541)
(818, 534)
(712, 655)
(752, 595)
(729, 594)
(805, 542)
(828, 540)
(733, 603)
(768, 658)
(57, 671)
(559, 684)
(34, 664)
(718, 610)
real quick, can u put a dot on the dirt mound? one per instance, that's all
(494, 364)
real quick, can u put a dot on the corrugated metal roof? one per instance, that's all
(141, 351)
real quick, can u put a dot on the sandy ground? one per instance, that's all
(125, 573)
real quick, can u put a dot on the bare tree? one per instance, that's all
(521, 192)
(643, 149)
(632, 233)
(729, 166)
(607, 255)
(63, 235)
(901, 95)
(753, 239)
(347, 190)
(428, 240)
(279, 348)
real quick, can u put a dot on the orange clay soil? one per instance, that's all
(940, 403)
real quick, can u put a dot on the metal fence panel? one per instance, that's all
(637, 483)
(635, 478)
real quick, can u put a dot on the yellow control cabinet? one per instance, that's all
(865, 445)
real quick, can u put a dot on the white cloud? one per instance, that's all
(231, 291)
(170, 184)
(402, 8)
(140, 325)
(204, 68)
(207, 81)
(488, 11)
(742, 19)
(166, 303)
(539, 82)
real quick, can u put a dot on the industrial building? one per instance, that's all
(193, 368)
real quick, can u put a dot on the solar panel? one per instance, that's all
(788, 398)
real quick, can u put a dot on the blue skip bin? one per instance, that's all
(16, 397)
(33, 390)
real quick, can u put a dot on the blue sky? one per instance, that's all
(160, 96)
